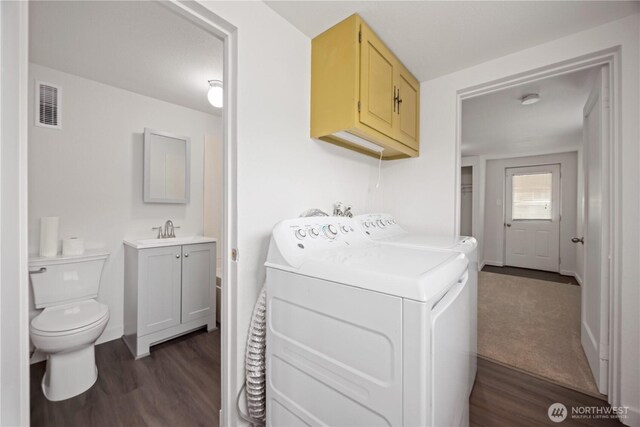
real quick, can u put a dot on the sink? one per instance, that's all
(170, 241)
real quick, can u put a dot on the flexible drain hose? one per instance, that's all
(255, 378)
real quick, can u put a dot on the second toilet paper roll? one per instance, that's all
(49, 236)
(73, 246)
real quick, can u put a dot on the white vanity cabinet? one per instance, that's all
(169, 291)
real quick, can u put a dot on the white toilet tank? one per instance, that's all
(64, 279)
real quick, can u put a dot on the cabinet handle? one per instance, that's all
(399, 100)
(186, 255)
(178, 256)
(396, 96)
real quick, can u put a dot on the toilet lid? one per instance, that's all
(69, 316)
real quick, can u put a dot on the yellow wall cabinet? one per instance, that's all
(361, 91)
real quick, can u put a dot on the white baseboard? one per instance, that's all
(109, 334)
(633, 417)
(493, 263)
(481, 266)
(578, 278)
(572, 274)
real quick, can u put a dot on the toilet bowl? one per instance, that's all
(71, 322)
(67, 334)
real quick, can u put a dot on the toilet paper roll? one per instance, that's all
(73, 246)
(49, 236)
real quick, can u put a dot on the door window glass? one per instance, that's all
(531, 196)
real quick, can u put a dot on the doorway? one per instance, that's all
(530, 158)
(466, 201)
(532, 217)
(217, 28)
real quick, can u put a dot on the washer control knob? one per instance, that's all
(381, 223)
(332, 230)
(301, 234)
(315, 232)
(366, 224)
(345, 229)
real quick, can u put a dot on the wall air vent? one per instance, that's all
(48, 105)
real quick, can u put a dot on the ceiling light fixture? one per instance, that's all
(530, 99)
(215, 93)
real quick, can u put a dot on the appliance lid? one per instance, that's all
(413, 273)
(461, 243)
(69, 316)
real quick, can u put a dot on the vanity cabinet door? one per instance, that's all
(198, 281)
(159, 289)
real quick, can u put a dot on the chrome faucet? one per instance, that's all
(169, 230)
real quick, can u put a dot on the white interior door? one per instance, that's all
(595, 289)
(532, 219)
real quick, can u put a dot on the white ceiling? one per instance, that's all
(139, 46)
(433, 38)
(497, 123)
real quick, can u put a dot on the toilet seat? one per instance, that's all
(69, 318)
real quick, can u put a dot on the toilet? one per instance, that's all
(71, 322)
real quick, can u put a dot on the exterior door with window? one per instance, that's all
(532, 217)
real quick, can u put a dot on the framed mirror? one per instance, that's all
(167, 161)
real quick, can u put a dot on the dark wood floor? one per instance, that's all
(532, 274)
(506, 397)
(177, 385)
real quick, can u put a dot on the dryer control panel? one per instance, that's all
(379, 225)
(295, 239)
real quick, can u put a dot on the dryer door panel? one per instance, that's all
(334, 353)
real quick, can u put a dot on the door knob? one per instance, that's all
(578, 240)
(178, 256)
(508, 225)
(186, 255)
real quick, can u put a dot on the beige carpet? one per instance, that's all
(533, 325)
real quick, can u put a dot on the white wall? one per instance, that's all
(424, 189)
(281, 170)
(494, 206)
(90, 172)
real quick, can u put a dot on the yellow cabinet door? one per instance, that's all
(408, 109)
(377, 68)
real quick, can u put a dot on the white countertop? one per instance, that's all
(169, 241)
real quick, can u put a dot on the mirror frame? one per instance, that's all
(148, 133)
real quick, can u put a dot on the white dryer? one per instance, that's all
(361, 333)
(385, 229)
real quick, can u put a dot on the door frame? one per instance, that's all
(204, 18)
(14, 113)
(505, 208)
(613, 172)
(14, 259)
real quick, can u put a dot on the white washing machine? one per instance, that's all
(385, 229)
(361, 333)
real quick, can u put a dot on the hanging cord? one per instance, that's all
(379, 169)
